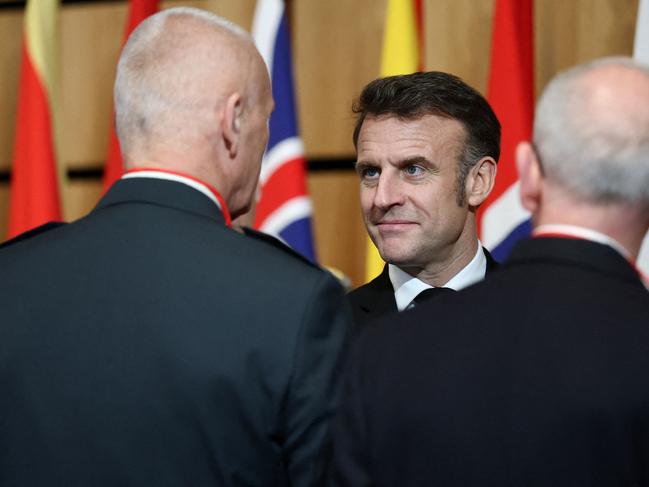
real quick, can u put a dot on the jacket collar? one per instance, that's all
(170, 194)
(581, 253)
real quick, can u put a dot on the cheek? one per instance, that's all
(366, 197)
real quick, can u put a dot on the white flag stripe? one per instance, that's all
(294, 209)
(641, 45)
(641, 53)
(283, 152)
(503, 216)
(265, 23)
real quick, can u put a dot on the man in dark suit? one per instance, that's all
(538, 375)
(148, 343)
(427, 146)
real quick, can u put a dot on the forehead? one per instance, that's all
(389, 137)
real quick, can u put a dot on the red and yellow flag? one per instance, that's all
(401, 55)
(114, 168)
(35, 177)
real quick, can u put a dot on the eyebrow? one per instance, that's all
(417, 160)
(360, 164)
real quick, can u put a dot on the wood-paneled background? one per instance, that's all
(336, 48)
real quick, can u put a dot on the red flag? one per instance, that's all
(511, 94)
(35, 177)
(138, 11)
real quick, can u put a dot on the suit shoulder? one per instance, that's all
(276, 243)
(34, 232)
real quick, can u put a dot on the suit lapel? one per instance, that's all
(492, 264)
(374, 299)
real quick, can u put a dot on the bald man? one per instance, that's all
(148, 343)
(538, 375)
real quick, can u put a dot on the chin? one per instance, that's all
(395, 257)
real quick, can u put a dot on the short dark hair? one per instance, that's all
(412, 96)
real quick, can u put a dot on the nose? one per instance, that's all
(389, 192)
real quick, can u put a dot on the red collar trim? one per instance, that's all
(210, 188)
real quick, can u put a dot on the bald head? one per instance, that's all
(592, 131)
(190, 89)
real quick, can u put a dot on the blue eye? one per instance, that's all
(368, 172)
(414, 170)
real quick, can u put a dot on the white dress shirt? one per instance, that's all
(407, 287)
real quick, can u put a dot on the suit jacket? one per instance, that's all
(45, 227)
(148, 344)
(536, 376)
(376, 298)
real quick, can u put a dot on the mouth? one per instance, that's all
(394, 225)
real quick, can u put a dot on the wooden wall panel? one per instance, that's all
(569, 33)
(458, 39)
(337, 46)
(90, 42)
(82, 196)
(338, 225)
(10, 38)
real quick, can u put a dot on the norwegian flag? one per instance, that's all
(284, 207)
(503, 220)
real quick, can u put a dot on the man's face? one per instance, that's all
(408, 173)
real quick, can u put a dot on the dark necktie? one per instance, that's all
(430, 294)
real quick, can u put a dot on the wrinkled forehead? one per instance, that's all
(391, 140)
(425, 129)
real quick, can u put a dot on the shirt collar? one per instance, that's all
(581, 233)
(186, 179)
(406, 287)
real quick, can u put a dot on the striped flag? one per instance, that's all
(138, 10)
(502, 219)
(641, 53)
(401, 54)
(284, 208)
(35, 176)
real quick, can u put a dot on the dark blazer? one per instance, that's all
(45, 227)
(376, 298)
(148, 344)
(536, 376)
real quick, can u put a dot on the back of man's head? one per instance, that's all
(412, 96)
(165, 77)
(192, 95)
(591, 132)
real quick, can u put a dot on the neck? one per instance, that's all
(440, 271)
(198, 166)
(624, 223)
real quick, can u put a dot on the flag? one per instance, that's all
(502, 219)
(284, 208)
(35, 176)
(401, 54)
(641, 53)
(138, 10)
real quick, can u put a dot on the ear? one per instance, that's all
(529, 175)
(231, 124)
(480, 181)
